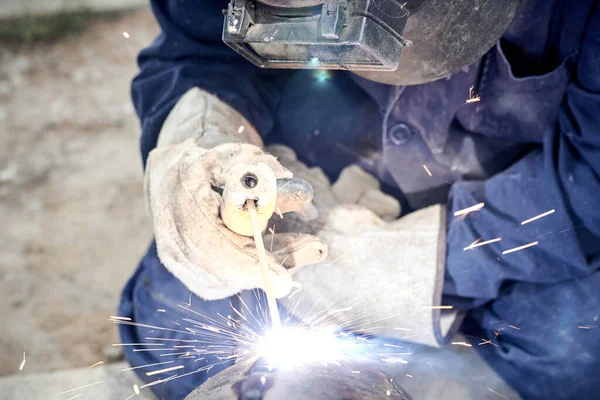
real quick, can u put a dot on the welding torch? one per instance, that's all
(252, 194)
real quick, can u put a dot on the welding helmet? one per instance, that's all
(400, 42)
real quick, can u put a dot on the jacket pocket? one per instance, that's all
(521, 109)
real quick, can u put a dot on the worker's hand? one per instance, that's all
(183, 183)
(354, 187)
(381, 273)
(183, 186)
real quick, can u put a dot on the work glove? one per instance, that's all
(382, 276)
(206, 150)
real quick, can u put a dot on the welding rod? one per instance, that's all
(264, 265)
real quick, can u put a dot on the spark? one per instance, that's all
(279, 213)
(137, 344)
(515, 327)
(356, 372)
(287, 183)
(427, 170)
(160, 310)
(95, 365)
(416, 334)
(520, 247)
(231, 337)
(140, 350)
(130, 397)
(394, 360)
(493, 391)
(476, 244)
(537, 217)
(388, 393)
(473, 98)
(334, 261)
(272, 231)
(147, 365)
(465, 344)
(294, 293)
(410, 376)
(241, 129)
(22, 363)
(81, 387)
(238, 313)
(584, 327)
(467, 210)
(339, 310)
(136, 389)
(76, 396)
(160, 371)
(121, 318)
(437, 307)
(567, 230)
(126, 35)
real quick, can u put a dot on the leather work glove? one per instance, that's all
(206, 152)
(382, 276)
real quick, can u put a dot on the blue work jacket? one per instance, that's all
(530, 145)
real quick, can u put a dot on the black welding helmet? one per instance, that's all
(400, 42)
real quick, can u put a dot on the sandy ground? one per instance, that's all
(71, 206)
(18, 7)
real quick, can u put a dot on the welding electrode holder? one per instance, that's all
(259, 183)
(256, 182)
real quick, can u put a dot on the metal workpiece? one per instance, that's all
(254, 379)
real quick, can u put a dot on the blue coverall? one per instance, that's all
(532, 144)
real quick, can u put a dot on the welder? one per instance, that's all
(418, 110)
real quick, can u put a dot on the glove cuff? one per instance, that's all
(391, 272)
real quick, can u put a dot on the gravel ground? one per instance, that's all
(73, 217)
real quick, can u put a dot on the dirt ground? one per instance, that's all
(71, 206)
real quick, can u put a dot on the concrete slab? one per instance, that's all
(101, 382)
(14, 8)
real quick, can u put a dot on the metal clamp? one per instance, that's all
(237, 18)
(330, 18)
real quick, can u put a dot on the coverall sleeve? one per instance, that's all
(189, 53)
(564, 176)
